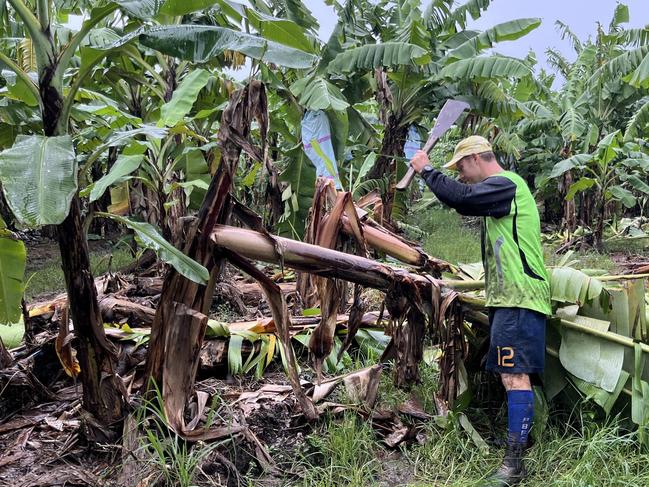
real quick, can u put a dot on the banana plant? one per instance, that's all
(413, 62)
(57, 169)
(616, 170)
(52, 157)
(593, 102)
(169, 162)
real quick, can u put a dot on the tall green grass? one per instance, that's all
(343, 452)
(570, 451)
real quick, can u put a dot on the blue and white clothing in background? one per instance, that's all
(413, 142)
(315, 127)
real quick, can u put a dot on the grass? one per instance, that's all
(343, 452)
(177, 461)
(574, 449)
(589, 259)
(590, 454)
(49, 277)
(449, 237)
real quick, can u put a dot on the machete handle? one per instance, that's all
(406, 180)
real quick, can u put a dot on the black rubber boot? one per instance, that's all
(512, 470)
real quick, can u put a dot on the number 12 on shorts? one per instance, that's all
(505, 356)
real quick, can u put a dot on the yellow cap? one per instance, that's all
(474, 144)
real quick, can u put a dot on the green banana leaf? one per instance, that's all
(578, 160)
(282, 31)
(148, 237)
(581, 185)
(637, 122)
(201, 43)
(507, 31)
(621, 194)
(141, 9)
(485, 67)
(640, 77)
(176, 8)
(17, 89)
(319, 94)
(572, 286)
(572, 123)
(12, 271)
(372, 56)
(606, 400)
(39, 178)
(124, 165)
(591, 358)
(639, 390)
(183, 98)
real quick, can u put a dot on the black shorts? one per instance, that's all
(517, 341)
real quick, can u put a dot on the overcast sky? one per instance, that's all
(580, 15)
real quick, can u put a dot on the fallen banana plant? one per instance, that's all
(406, 290)
(331, 291)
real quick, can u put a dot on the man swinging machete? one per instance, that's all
(517, 285)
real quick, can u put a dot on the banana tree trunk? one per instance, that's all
(102, 395)
(392, 146)
(5, 357)
(5, 212)
(599, 226)
(569, 210)
(174, 332)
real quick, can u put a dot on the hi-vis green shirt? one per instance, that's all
(512, 255)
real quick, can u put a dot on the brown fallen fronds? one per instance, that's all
(408, 328)
(330, 290)
(325, 194)
(356, 314)
(282, 320)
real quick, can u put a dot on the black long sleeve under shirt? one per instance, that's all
(491, 197)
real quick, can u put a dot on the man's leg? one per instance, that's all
(520, 411)
(517, 349)
(520, 407)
